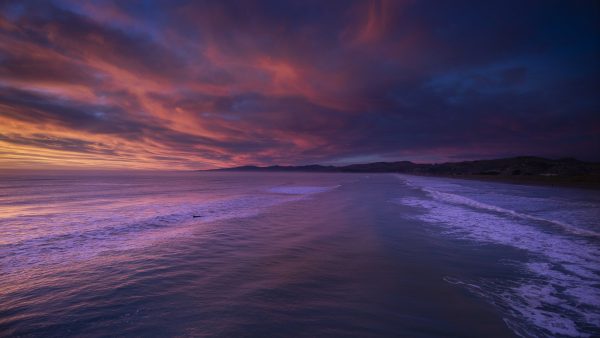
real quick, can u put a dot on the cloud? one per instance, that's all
(195, 84)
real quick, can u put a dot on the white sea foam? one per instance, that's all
(86, 234)
(561, 297)
(553, 323)
(461, 200)
(420, 183)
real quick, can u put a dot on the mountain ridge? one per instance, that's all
(531, 168)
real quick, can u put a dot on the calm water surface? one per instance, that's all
(295, 255)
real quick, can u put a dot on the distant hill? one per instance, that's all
(530, 168)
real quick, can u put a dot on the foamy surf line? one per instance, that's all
(557, 293)
(517, 305)
(465, 201)
(123, 233)
(461, 200)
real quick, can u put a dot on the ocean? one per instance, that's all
(233, 254)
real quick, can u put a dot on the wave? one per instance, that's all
(517, 305)
(78, 235)
(556, 293)
(82, 236)
(461, 200)
(465, 201)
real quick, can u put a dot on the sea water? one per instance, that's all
(294, 254)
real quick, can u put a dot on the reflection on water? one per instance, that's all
(291, 254)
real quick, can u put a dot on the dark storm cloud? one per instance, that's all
(44, 109)
(205, 83)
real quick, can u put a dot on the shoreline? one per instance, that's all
(564, 172)
(578, 182)
(562, 182)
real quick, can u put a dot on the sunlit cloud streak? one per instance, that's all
(205, 84)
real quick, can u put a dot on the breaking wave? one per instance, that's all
(461, 200)
(559, 295)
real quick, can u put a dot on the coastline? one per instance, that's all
(529, 170)
(578, 182)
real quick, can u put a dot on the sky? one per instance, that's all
(207, 84)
